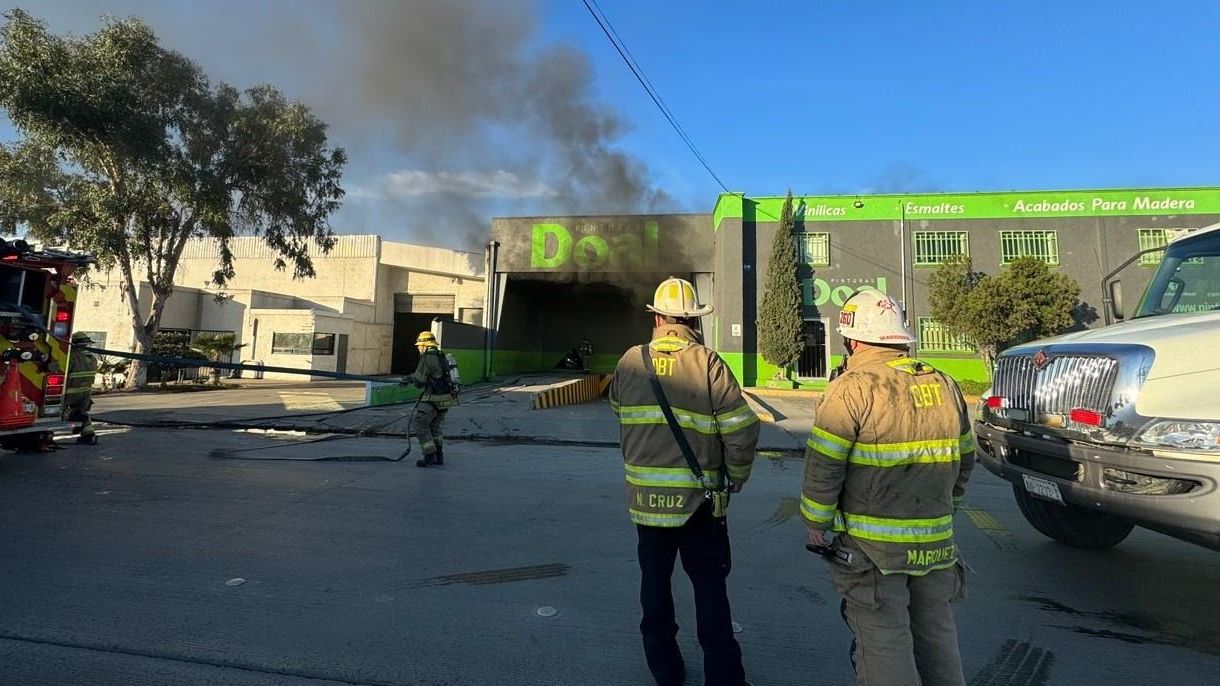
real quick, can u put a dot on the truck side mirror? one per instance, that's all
(1116, 300)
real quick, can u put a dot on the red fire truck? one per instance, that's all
(37, 297)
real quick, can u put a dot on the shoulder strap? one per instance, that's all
(663, 401)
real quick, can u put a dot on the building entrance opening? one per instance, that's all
(414, 313)
(814, 360)
(407, 325)
(554, 322)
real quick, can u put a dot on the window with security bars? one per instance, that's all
(1157, 238)
(935, 337)
(813, 249)
(935, 247)
(1042, 245)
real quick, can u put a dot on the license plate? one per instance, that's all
(1017, 415)
(1042, 488)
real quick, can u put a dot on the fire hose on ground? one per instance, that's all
(182, 362)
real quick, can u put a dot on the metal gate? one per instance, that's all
(814, 362)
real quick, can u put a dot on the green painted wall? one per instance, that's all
(960, 369)
(470, 364)
(515, 362)
(470, 367)
(390, 393)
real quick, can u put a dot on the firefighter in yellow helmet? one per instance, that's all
(885, 467)
(679, 507)
(78, 395)
(428, 421)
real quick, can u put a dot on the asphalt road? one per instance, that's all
(145, 561)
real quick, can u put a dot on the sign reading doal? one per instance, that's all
(650, 243)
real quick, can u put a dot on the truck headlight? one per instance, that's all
(1182, 434)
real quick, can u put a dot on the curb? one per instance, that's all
(572, 392)
(783, 393)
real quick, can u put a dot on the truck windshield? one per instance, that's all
(1188, 279)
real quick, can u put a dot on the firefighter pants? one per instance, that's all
(704, 545)
(428, 423)
(78, 411)
(903, 625)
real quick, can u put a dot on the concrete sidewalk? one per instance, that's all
(489, 412)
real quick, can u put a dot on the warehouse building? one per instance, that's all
(559, 283)
(558, 280)
(360, 313)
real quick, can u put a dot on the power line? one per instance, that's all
(604, 22)
(629, 59)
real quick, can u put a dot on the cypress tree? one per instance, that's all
(779, 317)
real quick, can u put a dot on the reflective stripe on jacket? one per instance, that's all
(888, 459)
(721, 428)
(82, 372)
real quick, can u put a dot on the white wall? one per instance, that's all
(101, 306)
(350, 269)
(226, 315)
(353, 293)
(281, 321)
(467, 291)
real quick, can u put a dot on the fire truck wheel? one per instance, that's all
(1072, 525)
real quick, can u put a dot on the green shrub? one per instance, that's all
(973, 387)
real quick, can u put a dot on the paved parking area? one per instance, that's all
(145, 561)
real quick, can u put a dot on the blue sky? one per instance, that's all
(819, 97)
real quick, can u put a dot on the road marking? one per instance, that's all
(308, 400)
(989, 525)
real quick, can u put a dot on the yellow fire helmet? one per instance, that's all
(426, 339)
(874, 317)
(677, 298)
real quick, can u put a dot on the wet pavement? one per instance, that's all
(147, 561)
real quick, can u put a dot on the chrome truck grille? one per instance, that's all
(1057, 384)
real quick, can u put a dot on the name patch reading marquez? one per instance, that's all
(925, 558)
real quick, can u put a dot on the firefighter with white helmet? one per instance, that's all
(78, 395)
(885, 467)
(428, 421)
(677, 298)
(688, 440)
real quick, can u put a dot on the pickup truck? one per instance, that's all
(1103, 430)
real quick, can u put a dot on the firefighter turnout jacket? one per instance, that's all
(431, 375)
(82, 371)
(888, 459)
(721, 428)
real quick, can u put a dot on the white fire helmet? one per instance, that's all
(677, 298)
(871, 316)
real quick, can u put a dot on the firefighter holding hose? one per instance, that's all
(439, 394)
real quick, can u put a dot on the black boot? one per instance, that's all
(428, 461)
(440, 456)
